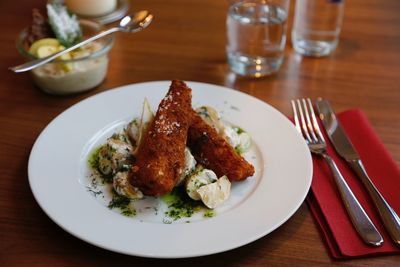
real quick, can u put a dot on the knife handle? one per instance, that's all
(389, 217)
(361, 222)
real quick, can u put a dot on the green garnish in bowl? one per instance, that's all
(64, 24)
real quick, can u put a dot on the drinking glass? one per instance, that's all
(316, 26)
(256, 33)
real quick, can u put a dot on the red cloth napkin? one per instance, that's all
(324, 200)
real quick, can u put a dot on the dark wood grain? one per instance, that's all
(187, 41)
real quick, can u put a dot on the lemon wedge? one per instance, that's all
(43, 42)
(48, 46)
(67, 66)
(46, 50)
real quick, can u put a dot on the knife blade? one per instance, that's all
(346, 150)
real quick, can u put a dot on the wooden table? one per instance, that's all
(187, 41)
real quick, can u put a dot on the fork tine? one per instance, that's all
(296, 118)
(314, 120)
(309, 125)
(303, 122)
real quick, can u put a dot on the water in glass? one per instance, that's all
(256, 37)
(317, 26)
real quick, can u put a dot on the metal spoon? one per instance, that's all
(135, 23)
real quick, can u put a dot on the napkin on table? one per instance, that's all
(324, 200)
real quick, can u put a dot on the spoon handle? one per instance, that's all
(41, 61)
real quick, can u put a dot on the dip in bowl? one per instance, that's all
(83, 69)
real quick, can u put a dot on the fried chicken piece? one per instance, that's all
(161, 157)
(213, 152)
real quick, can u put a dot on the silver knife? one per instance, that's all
(345, 149)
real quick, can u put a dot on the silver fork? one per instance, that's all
(308, 127)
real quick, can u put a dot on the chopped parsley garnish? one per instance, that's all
(180, 205)
(93, 159)
(239, 130)
(64, 24)
(209, 214)
(238, 150)
(94, 192)
(122, 203)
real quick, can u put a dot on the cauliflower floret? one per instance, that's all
(197, 180)
(214, 194)
(115, 156)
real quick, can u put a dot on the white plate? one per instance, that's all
(58, 175)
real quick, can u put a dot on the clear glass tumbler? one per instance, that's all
(256, 33)
(316, 26)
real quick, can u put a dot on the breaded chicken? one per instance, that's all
(213, 152)
(161, 157)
